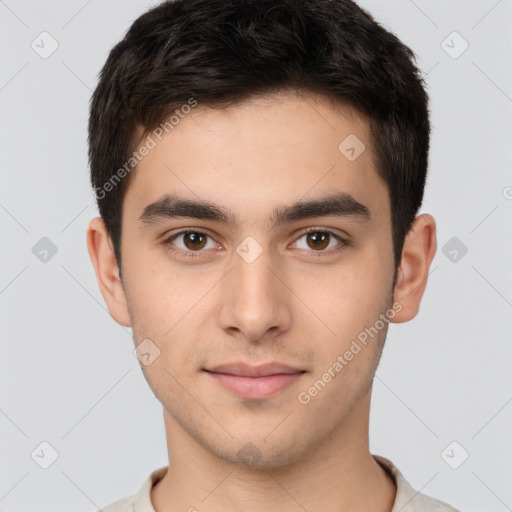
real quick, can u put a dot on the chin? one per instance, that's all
(262, 454)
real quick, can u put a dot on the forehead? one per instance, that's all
(274, 149)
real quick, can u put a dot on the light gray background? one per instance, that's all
(68, 373)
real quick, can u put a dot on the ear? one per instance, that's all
(102, 255)
(417, 254)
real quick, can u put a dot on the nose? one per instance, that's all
(255, 303)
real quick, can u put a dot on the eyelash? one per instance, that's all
(196, 254)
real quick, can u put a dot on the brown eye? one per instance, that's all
(193, 240)
(318, 240)
(190, 243)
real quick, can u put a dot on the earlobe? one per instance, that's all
(417, 254)
(105, 266)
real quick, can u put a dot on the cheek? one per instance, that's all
(351, 295)
(346, 303)
(351, 307)
(151, 298)
(168, 304)
(154, 285)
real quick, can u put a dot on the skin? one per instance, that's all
(293, 304)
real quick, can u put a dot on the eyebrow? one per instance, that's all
(171, 206)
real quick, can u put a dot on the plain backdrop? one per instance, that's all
(442, 408)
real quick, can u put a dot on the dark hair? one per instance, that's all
(220, 52)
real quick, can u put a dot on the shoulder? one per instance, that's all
(124, 505)
(141, 502)
(421, 502)
(407, 499)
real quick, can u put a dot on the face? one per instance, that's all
(253, 278)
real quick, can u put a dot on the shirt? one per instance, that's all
(406, 500)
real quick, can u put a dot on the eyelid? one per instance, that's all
(331, 231)
(201, 231)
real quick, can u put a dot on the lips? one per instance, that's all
(263, 370)
(254, 382)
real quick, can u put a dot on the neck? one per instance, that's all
(339, 474)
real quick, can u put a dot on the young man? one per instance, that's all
(258, 166)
